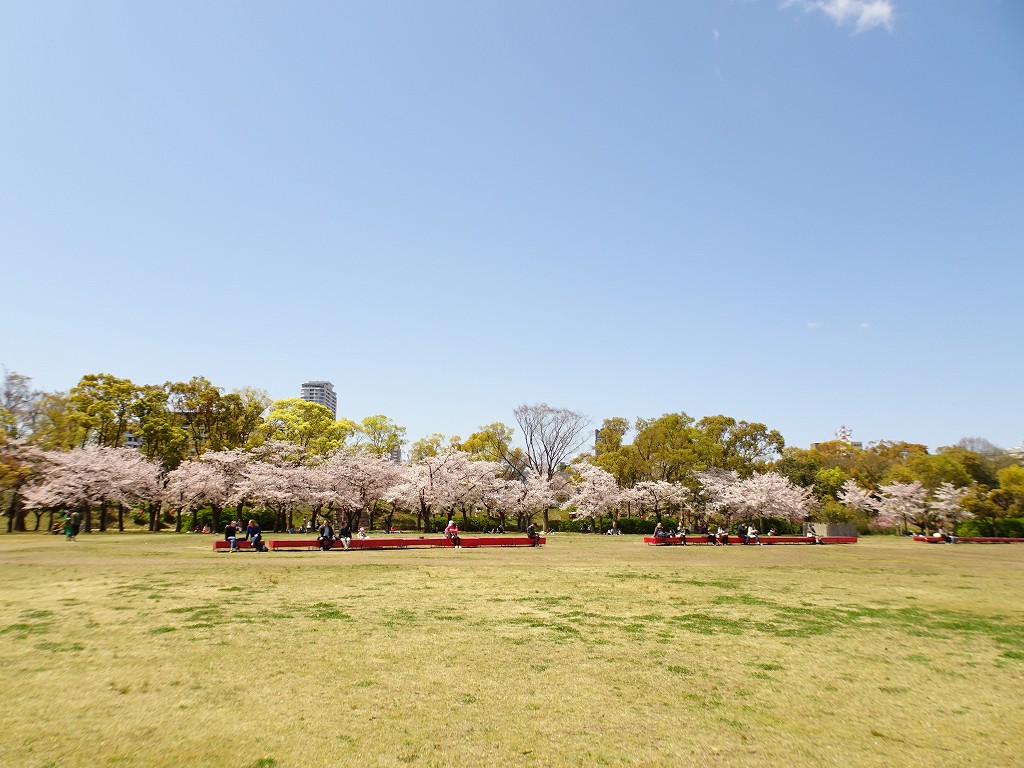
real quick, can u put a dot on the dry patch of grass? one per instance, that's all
(150, 650)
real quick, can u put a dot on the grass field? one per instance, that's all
(151, 650)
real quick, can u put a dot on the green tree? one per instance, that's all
(427, 447)
(241, 415)
(828, 482)
(379, 436)
(198, 404)
(739, 446)
(934, 470)
(1011, 486)
(665, 447)
(57, 429)
(101, 406)
(611, 434)
(311, 426)
(164, 439)
(493, 442)
(19, 405)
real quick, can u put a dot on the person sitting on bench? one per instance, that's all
(254, 535)
(531, 532)
(452, 532)
(325, 535)
(231, 535)
(752, 535)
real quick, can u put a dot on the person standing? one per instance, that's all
(76, 524)
(69, 528)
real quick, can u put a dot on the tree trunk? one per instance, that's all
(215, 511)
(16, 512)
(177, 520)
(120, 517)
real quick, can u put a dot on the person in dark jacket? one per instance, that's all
(531, 531)
(345, 534)
(325, 535)
(255, 535)
(231, 535)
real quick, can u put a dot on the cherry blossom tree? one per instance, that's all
(358, 483)
(718, 493)
(280, 488)
(945, 504)
(212, 479)
(524, 498)
(855, 497)
(897, 502)
(594, 491)
(658, 496)
(83, 477)
(769, 494)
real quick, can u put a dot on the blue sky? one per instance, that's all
(801, 213)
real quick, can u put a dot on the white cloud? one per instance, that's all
(714, 34)
(865, 326)
(813, 325)
(862, 14)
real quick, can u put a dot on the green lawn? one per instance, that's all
(151, 650)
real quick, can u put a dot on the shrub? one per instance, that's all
(1008, 526)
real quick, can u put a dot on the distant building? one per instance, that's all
(852, 443)
(321, 392)
(132, 441)
(396, 455)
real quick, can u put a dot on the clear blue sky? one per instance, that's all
(805, 213)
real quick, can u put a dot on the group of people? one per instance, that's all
(253, 534)
(720, 537)
(326, 535)
(451, 531)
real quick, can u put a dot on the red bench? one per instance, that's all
(226, 545)
(699, 538)
(393, 542)
(970, 539)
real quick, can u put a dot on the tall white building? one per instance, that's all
(321, 392)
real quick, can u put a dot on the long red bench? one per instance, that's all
(697, 538)
(226, 545)
(970, 539)
(393, 542)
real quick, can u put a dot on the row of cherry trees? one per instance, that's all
(357, 486)
(673, 465)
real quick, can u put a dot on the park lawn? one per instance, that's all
(151, 650)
